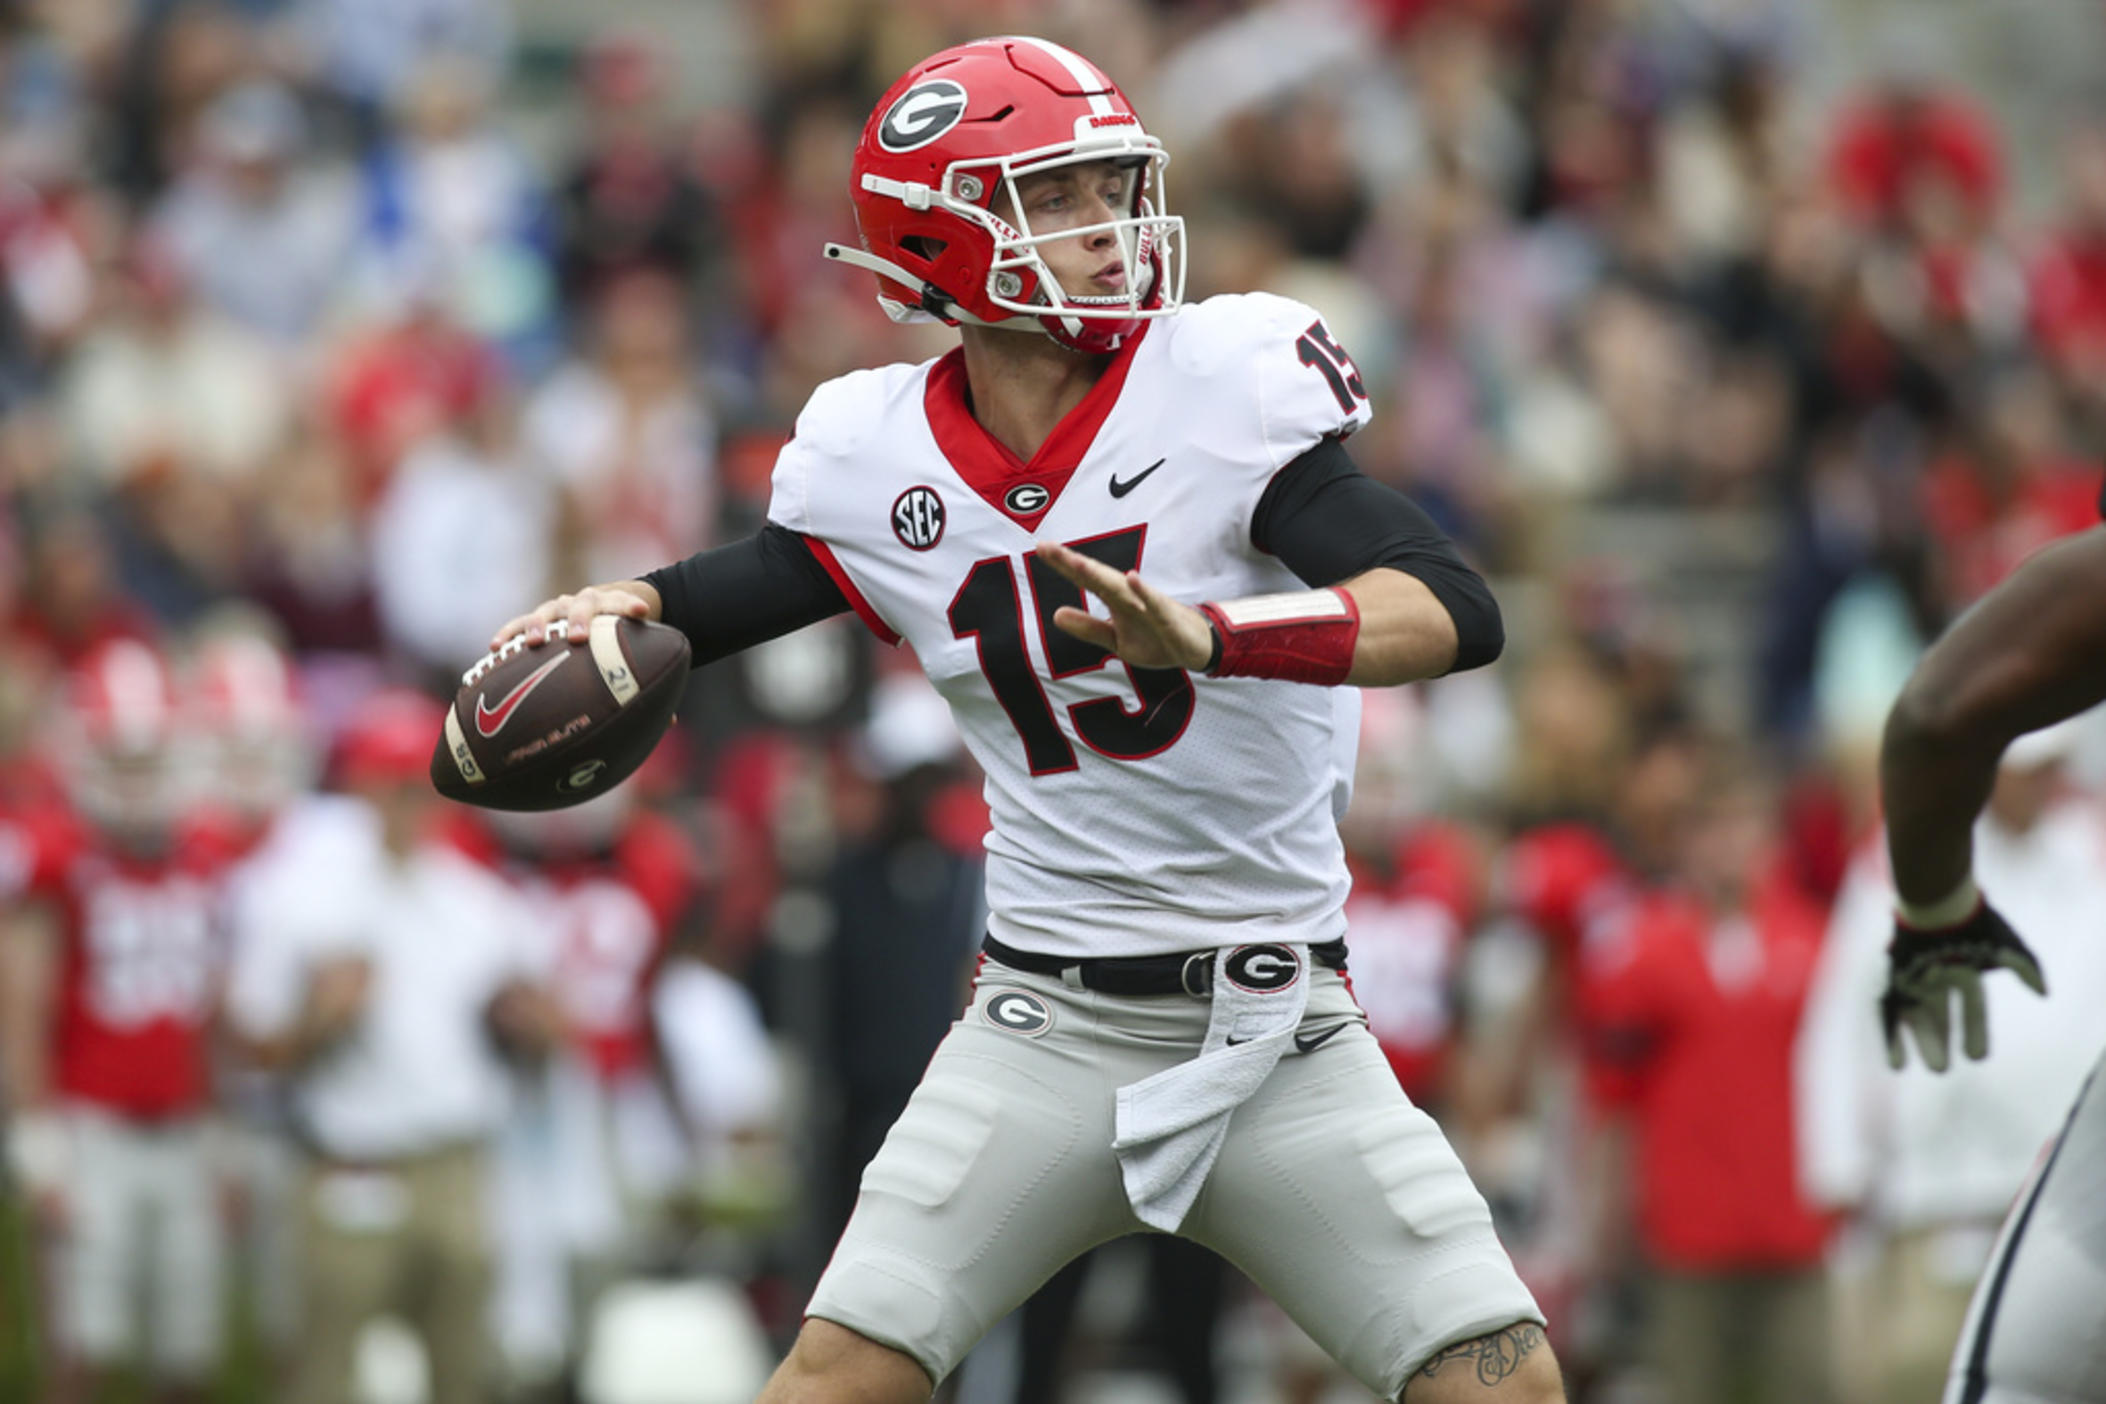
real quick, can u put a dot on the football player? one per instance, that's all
(110, 965)
(595, 1132)
(1126, 544)
(2030, 653)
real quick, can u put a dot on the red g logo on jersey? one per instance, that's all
(917, 518)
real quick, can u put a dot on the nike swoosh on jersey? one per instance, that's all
(490, 720)
(1309, 1043)
(1119, 489)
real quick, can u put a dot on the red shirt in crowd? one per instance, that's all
(1883, 147)
(1691, 1022)
(1407, 925)
(139, 963)
(1568, 882)
(2068, 298)
(1984, 535)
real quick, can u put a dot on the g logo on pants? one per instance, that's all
(1020, 1012)
(1263, 969)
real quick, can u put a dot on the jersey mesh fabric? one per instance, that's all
(1165, 837)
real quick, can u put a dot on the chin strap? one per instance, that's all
(934, 303)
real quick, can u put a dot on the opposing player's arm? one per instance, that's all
(2030, 653)
(725, 599)
(1395, 602)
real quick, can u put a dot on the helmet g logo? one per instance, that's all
(923, 113)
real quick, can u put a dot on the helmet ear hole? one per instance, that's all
(923, 247)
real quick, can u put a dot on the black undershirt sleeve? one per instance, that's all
(1327, 521)
(733, 597)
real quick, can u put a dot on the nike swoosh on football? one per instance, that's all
(1119, 489)
(1309, 1043)
(490, 720)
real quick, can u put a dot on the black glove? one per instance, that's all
(1925, 968)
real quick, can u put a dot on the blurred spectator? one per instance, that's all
(629, 201)
(451, 200)
(1913, 134)
(393, 1046)
(71, 600)
(593, 1150)
(2069, 275)
(625, 438)
(1174, 1336)
(2020, 488)
(55, 226)
(111, 973)
(370, 51)
(416, 374)
(1692, 1007)
(255, 757)
(461, 535)
(256, 226)
(907, 888)
(308, 561)
(1418, 889)
(163, 385)
(1927, 1164)
(729, 1082)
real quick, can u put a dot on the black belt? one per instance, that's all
(1180, 972)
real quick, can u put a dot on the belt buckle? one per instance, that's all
(1197, 976)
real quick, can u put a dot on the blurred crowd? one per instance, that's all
(335, 332)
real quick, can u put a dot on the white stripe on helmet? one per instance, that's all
(1080, 69)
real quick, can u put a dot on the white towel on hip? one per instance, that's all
(1168, 1128)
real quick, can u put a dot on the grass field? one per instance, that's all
(241, 1374)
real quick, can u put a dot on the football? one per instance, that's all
(546, 727)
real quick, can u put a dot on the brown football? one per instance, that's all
(554, 725)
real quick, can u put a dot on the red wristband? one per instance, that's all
(1303, 637)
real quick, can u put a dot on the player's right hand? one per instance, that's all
(569, 617)
(1925, 969)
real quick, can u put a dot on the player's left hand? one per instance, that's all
(1926, 968)
(1147, 628)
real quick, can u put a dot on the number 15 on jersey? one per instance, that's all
(988, 611)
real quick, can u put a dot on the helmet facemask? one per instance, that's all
(1017, 279)
(1150, 244)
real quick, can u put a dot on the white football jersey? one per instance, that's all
(1135, 811)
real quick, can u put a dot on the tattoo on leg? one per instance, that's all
(1494, 1357)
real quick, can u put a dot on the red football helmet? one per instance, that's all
(387, 740)
(954, 134)
(121, 738)
(243, 698)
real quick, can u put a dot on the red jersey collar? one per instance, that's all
(987, 465)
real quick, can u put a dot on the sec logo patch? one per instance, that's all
(1020, 1012)
(917, 518)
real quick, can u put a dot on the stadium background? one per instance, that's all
(1740, 342)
